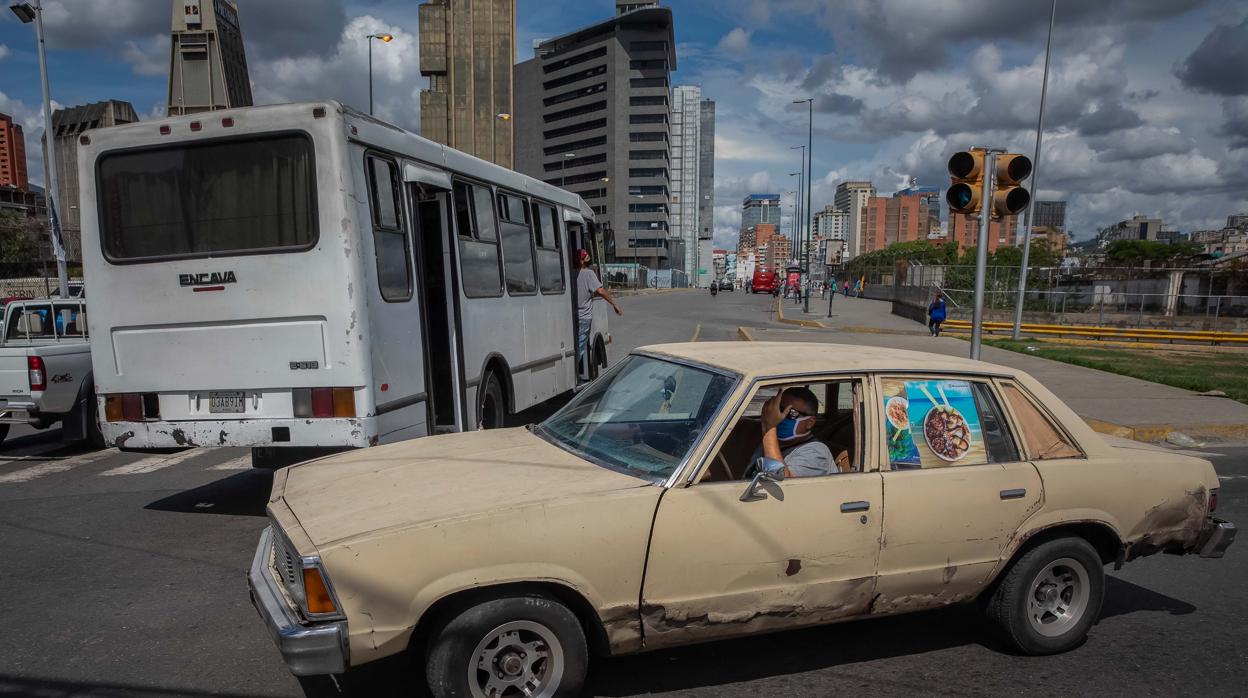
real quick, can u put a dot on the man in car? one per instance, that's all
(788, 422)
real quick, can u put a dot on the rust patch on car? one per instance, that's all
(622, 625)
(884, 605)
(794, 567)
(120, 441)
(950, 571)
(1172, 526)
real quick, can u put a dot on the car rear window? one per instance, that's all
(235, 196)
(1043, 439)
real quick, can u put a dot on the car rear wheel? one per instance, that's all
(515, 646)
(1050, 597)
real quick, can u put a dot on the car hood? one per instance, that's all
(434, 479)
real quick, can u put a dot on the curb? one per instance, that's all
(1157, 433)
(790, 321)
(744, 334)
(880, 330)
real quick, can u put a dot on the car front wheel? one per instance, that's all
(1050, 597)
(515, 646)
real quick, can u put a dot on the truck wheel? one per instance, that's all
(95, 436)
(1050, 597)
(521, 645)
(491, 407)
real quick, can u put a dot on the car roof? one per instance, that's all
(765, 359)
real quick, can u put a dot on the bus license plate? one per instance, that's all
(226, 401)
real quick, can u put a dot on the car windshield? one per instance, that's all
(642, 418)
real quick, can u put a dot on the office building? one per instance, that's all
(467, 50)
(706, 181)
(208, 66)
(592, 114)
(964, 230)
(904, 217)
(68, 124)
(12, 154)
(1238, 221)
(851, 197)
(686, 161)
(760, 208)
(1049, 214)
(831, 223)
(1134, 228)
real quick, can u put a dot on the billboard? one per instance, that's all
(191, 12)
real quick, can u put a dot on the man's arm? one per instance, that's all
(606, 295)
(770, 418)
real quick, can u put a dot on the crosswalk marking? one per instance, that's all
(56, 466)
(151, 464)
(241, 463)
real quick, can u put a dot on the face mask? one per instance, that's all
(786, 430)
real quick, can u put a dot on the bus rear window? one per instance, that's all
(203, 199)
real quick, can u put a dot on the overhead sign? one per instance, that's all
(191, 8)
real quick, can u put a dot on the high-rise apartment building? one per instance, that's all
(706, 185)
(593, 116)
(208, 66)
(686, 167)
(930, 199)
(1049, 214)
(68, 124)
(760, 208)
(12, 154)
(467, 50)
(906, 216)
(831, 223)
(964, 230)
(776, 253)
(756, 236)
(851, 197)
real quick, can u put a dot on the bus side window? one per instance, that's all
(549, 259)
(478, 242)
(517, 239)
(393, 248)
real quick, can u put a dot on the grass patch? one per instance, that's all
(1191, 370)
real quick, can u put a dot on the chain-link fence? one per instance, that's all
(1123, 297)
(22, 280)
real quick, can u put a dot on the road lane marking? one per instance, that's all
(696, 331)
(240, 463)
(745, 334)
(151, 464)
(1232, 477)
(56, 466)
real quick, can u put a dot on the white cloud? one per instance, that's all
(735, 43)
(4, 52)
(148, 56)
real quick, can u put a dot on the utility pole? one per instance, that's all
(981, 249)
(1035, 173)
(810, 163)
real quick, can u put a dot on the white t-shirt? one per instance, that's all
(587, 286)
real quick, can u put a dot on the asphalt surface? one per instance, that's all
(122, 574)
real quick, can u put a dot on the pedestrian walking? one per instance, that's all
(847, 288)
(587, 289)
(936, 314)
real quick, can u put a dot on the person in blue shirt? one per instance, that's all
(936, 314)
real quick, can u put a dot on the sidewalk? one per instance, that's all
(1111, 403)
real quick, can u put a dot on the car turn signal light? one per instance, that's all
(316, 592)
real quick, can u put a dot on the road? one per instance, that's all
(122, 575)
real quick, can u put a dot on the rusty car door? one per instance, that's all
(949, 518)
(720, 567)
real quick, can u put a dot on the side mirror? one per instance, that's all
(753, 491)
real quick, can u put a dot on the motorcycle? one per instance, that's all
(714, 288)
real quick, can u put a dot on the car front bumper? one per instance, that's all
(309, 650)
(1215, 537)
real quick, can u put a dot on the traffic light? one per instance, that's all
(1009, 198)
(967, 170)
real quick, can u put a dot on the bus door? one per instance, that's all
(436, 270)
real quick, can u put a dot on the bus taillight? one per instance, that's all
(131, 407)
(323, 402)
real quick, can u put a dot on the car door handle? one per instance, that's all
(851, 507)
(1013, 494)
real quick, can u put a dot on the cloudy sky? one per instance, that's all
(1147, 107)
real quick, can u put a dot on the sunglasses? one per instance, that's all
(795, 413)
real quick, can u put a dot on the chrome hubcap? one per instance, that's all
(520, 658)
(1059, 597)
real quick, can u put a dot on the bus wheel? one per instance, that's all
(491, 408)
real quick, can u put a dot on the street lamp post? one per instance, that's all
(810, 161)
(1035, 182)
(385, 39)
(563, 165)
(28, 13)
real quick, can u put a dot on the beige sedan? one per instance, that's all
(713, 490)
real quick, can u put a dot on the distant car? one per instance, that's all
(639, 516)
(726, 285)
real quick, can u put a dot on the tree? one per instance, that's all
(17, 245)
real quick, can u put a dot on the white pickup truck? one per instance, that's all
(45, 369)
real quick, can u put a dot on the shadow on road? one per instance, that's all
(59, 688)
(243, 494)
(1123, 597)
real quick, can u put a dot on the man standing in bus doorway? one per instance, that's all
(587, 288)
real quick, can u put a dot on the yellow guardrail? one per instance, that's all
(1096, 332)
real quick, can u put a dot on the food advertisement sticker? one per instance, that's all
(932, 424)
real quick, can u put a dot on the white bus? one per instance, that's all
(305, 275)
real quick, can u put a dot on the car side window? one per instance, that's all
(936, 423)
(1042, 438)
(997, 438)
